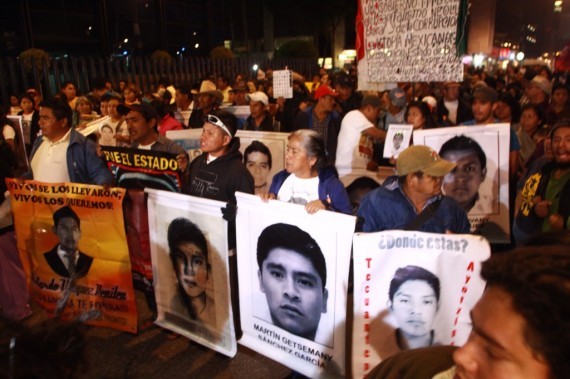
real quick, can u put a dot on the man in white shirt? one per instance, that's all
(61, 154)
(357, 135)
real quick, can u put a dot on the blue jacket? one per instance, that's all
(83, 164)
(330, 187)
(390, 209)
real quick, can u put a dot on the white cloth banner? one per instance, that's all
(480, 183)
(190, 267)
(412, 289)
(293, 308)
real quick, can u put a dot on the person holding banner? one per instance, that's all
(293, 276)
(307, 179)
(414, 301)
(190, 261)
(414, 201)
(62, 154)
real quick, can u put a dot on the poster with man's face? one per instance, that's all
(189, 258)
(412, 290)
(397, 139)
(293, 279)
(479, 183)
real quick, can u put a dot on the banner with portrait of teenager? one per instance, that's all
(188, 240)
(293, 279)
(264, 152)
(412, 290)
(72, 242)
(480, 182)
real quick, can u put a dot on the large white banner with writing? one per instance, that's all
(411, 290)
(480, 182)
(293, 279)
(407, 41)
(190, 268)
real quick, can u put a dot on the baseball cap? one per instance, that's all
(419, 158)
(344, 80)
(146, 110)
(324, 91)
(485, 94)
(398, 97)
(257, 96)
(542, 83)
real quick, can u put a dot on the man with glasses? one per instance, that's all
(414, 201)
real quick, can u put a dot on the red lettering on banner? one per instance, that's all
(464, 290)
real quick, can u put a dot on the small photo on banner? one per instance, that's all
(293, 280)
(190, 268)
(140, 169)
(397, 139)
(480, 182)
(412, 290)
(73, 246)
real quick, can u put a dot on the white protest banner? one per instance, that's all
(407, 41)
(190, 268)
(411, 290)
(95, 127)
(293, 307)
(480, 183)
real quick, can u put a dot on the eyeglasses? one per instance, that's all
(210, 118)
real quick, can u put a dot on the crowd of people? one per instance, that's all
(333, 128)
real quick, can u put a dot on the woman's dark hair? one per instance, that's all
(404, 274)
(537, 110)
(28, 96)
(425, 111)
(259, 147)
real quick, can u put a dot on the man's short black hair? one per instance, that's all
(404, 274)
(291, 237)
(464, 143)
(185, 89)
(60, 108)
(65, 212)
(538, 280)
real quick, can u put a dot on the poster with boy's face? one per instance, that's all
(479, 183)
(412, 290)
(293, 276)
(397, 139)
(189, 258)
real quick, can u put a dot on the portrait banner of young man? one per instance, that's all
(189, 249)
(412, 290)
(72, 242)
(293, 279)
(480, 182)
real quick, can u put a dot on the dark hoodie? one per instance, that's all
(220, 179)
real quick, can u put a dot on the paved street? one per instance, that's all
(157, 353)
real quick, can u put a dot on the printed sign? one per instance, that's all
(190, 265)
(480, 183)
(73, 246)
(293, 280)
(411, 290)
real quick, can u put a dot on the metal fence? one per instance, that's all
(16, 78)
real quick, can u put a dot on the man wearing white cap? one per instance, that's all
(538, 91)
(414, 201)
(259, 118)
